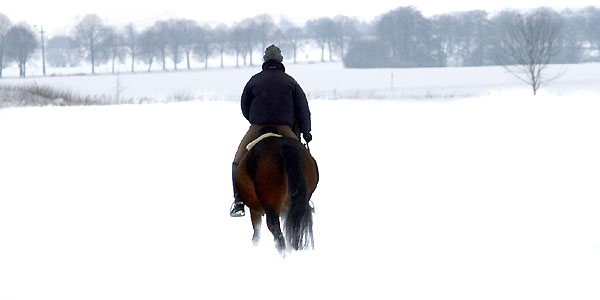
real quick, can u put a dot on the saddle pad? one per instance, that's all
(260, 138)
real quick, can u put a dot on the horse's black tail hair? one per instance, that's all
(298, 223)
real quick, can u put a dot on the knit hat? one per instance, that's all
(273, 53)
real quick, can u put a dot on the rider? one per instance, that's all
(270, 98)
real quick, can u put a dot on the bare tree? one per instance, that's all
(180, 39)
(237, 42)
(528, 43)
(175, 40)
(21, 43)
(204, 44)
(5, 25)
(592, 28)
(56, 51)
(148, 46)
(345, 31)
(408, 36)
(131, 35)
(62, 51)
(322, 31)
(293, 38)
(88, 34)
(572, 39)
(188, 31)
(472, 28)
(160, 31)
(113, 45)
(264, 27)
(248, 28)
(447, 37)
(220, 36)
(278, 38)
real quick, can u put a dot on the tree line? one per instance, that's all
(402, 37)
(167, 43)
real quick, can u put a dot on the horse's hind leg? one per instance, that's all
(256, 218)
(275, 228)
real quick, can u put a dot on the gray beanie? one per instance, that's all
(273, 53)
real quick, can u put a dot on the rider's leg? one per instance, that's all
(237, 208)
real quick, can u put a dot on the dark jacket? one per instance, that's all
(273, 97)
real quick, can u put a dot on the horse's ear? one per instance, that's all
(269, 129)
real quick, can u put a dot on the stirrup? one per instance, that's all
(237, 210)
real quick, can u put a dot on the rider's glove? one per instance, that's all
(307, 137)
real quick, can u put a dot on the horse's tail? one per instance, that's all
(298, 223)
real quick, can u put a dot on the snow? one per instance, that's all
(492, 196)
(333, 82)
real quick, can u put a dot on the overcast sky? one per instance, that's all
(60, 15)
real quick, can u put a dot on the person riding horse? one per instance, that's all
(270, 98)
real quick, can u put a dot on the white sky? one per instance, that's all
(60, 15)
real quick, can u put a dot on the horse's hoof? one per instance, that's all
(282, 253)
(237, 209)
(239, 213)
(280, 245)
(281, 250)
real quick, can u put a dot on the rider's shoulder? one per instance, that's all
(292, 79)
(255, 77)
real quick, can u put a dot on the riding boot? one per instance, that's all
(237, 208)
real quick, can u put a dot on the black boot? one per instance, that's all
(237, 208)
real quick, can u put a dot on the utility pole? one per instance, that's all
(43, 50)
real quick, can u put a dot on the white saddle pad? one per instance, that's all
(260, 138)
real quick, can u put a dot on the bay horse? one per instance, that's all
(277, 177)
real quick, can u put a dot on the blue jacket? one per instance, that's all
(274, 97)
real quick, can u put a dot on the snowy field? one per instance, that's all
(491, 196)
(320, 81)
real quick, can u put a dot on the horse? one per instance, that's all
(277, 177)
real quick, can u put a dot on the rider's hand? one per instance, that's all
(307, 137)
